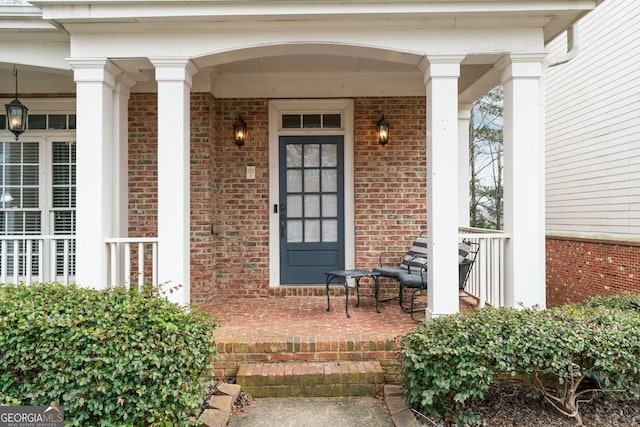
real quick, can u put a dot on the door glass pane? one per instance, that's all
(294, 181)
(329, 205)
(311, 180)
(294, 231)
(294, 155)
(330, 230)
(311, 206)
(311, 155)
(294, 206)
(312, 230)
(329, 180)
(329, 155)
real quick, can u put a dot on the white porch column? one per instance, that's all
(441, 78)
(464, 118)
(523, 181)
(121, 167)
(174, 199)
(95, 82)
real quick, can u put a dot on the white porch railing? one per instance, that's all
(486, 281)
(32, 259)
(133, 260)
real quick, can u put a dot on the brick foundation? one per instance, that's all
(577, 270)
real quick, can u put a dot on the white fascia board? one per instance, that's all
(19, 10)
(141, 9)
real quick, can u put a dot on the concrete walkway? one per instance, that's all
(313, 412)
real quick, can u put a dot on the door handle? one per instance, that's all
(283, 223)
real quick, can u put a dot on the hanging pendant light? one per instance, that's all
(16, 112)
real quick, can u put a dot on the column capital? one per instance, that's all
(94, 70)
(124, 83)
(521, 65)
(434, 66)
(172, 69)
(464, 111)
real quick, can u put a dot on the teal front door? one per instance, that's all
(311, 208)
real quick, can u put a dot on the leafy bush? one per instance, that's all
(110, 358)
(452, 360)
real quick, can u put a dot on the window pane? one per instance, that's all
(10, 197)
(64, 222)
(311, 206)
(294, 181)
(57, 121)
(13, 152)
(60, 174)
(13, 175)
(37, 121)
(3, 121)
(311, 180)
(30, 175)
(330, 230)
(30, 198)
(312, 155)
(72, 121)
(331, 121)
(61, 197)
(291, 121)
(312, 230)
(30, 152)
(60, 152)
(311, 121)
(32, 222)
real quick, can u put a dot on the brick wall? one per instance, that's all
(143, 184)
(241, 207)
(577, 270)
(390, 181)
(390, 187)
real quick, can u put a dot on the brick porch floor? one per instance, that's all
(298, 328)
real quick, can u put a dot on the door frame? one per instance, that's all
(276, 108)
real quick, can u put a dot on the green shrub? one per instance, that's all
(452, 360)
(110, 358)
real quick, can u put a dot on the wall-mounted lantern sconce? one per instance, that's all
(383, 131)
(16, 112)
(239, 132)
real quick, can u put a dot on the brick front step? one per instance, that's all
(235, 352)
(311, 379)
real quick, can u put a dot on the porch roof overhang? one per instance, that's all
(555, 15)
(306, 39)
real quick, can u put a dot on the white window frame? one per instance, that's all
(45, 138)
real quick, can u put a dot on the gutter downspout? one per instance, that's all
(573, 46)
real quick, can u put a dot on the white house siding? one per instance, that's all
(593, 129)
